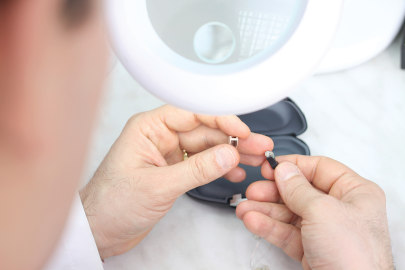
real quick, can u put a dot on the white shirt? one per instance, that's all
(77, 249)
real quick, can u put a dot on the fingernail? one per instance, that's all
(286, 170)
(225, 158)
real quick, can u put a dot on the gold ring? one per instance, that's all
(185, 154)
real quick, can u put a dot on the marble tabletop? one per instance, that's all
(356, 117)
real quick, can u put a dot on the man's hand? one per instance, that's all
(144, 172)
(320, 213)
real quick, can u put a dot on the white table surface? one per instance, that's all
(356, 117)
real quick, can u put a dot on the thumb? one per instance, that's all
(295, 190)
(201, 168)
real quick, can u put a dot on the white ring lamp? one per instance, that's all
(278, 43)
(366, 29)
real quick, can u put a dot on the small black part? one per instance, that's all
(273, 162)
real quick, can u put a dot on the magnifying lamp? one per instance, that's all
(361, 36)
(221, 56)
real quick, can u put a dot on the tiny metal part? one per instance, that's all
(234, 141)
(271, 158)
(236, 200)
(269, 154)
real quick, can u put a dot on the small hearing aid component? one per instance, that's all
(271, 158)
(236, 200)
(234, 141)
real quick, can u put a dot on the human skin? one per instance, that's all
(321, 213)
(50, 84)
(144, 172)
(51, 73)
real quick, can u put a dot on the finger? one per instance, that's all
(161, 126)
(198, 170)
(244, 159)
(274, 210)
(201, 139)
(175, 156)
(236, 175)
(252, 160)
(255, 144)
(324, 173)
(267, 171)
(229, 124)
(295, 190)
(249, 160)
(263, 191)
(204, 137)
(182, 121)
(305, 264)
(285, 236)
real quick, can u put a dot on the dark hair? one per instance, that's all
(75, 12)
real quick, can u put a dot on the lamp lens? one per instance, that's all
(225, 31)
(214, 42)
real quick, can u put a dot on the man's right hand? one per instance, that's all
(321, 213)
